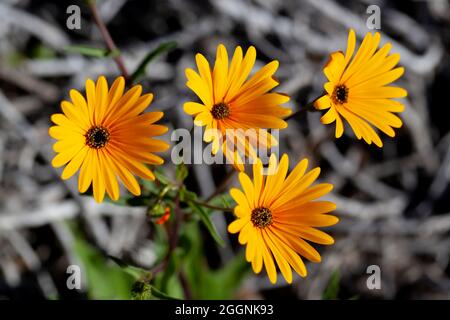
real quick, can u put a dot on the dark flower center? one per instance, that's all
(220, 111)
(261, 217)
(340, 94)
(97, 137)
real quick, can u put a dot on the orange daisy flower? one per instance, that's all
(107, 137)
(277, 213)
(358, 89)
(230, 101)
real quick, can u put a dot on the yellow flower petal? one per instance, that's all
(74, 164)
(193, 108)
(86, 172)
(62, 158)
(279, 258)
(237, 225)
(98, 183)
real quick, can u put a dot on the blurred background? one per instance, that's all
(393, 202)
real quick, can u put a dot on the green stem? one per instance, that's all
(173, 237)
(308, 107)
(222, 185)
(108, 39)
(160, 197)
(185, 285)
(213, 207)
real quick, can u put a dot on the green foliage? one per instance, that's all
(153, 195)
(15, 59)
(152, 55)
(141, 290)
(224, 200)
(42, 52)
(105, 280)
(161, 177)
(92, 51)
(133, 271)
(332, 290)
(204, 214)
(160, 242)
(110, 278)
(187, 259)
(222, 283)
(181, 172)
(130, 201)
(204, 282)
(168, 281)
(161, 295)
(186, 195)
(206, 219)
(149, 186)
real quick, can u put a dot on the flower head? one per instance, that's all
(107, 136)
(229, 100)
(358, 89)
(276, 214)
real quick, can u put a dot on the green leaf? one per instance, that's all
(130, 200)
(133, 271)
(15, 59)
(149, 185)
(161, 177)
(205, 283)
(42, 52)
(160, 242)
(157, 210)
(222, 200)
(186, 195)
(206, 219)
(332, 290)
(92, 51)
(168, 280)
(161, 295)
(181, 172)
(162, 48)
(224, 282)
(105, 280)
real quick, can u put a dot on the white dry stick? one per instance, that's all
(350, 169)
(7, 110)
(421, 136)
(109, 9)
(38, 27)
(45, 91)
(38, 217)
(2, 152)
(60, 211)
(388, 208)
(32, 262)
(420, 64)
(265, 21)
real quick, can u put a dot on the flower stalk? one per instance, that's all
(309, 107)
(108, 40)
